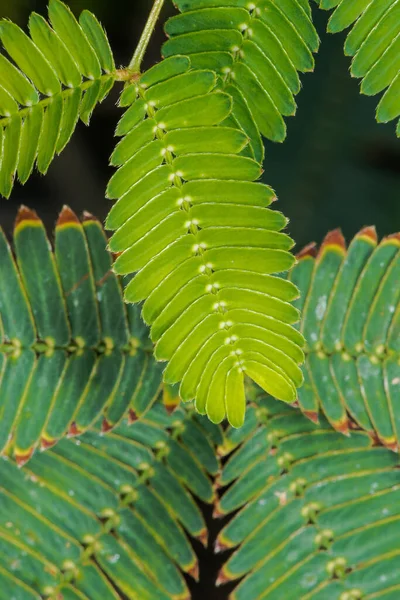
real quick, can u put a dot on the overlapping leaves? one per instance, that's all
(308, 513)
(350, 302)
(374, 45)
(50, 79)
(70, 350)
(317, 512)
(107, 518)
(256, 48)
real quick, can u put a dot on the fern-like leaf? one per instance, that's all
(350, 301)
(195, 227)
(316, 512)
(256, 48)
(307, 513)
(70, 352)
(52, 78)
(374, 45)
(107, 518)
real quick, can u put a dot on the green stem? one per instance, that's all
(141, 48)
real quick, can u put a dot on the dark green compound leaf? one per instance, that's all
(308, 513)
(315, 522)
(41, 90)
(70, 350)
(351, 307)
(106, 518)
(374, 45)
(193, 231)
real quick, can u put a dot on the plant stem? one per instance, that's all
(135, 64)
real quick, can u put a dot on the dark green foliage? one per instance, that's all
(70, 349)
(311, 513)
(351, 321)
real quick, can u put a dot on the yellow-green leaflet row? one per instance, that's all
(194, 226)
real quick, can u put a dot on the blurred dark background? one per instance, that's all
(338, 167)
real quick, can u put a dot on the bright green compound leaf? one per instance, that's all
(266, 45)
(192, 226)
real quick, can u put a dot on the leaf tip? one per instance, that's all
(46, 443)
(342, 426)
(87, 216)
(132, 416)
(333, 238)
(368, 232)
(203, 537)
(106, 426)
(23, 456)
(66, 217)
(220, 546)
(312, 415)
(390, 444)
(74, 430)
(25, 214)
(222, 578)
(194, 571)
(392, 237)
(308, 251)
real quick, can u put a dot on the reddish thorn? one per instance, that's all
(203, 537)
(309, 250)
(218, 514)
(333, 238)
(312, 415)
(342, 426)
(132, 416)
(87, 216)
(22, 459)
(106, 426)
(392, 236)
(370, 232)
(66, 216)
(171, 407)
(74, 430)
(217, 481)
(46, 443)
(194, 572)
(374, 438)
(222, 578)
(25, 214)
(391, 445)
(220, 546)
